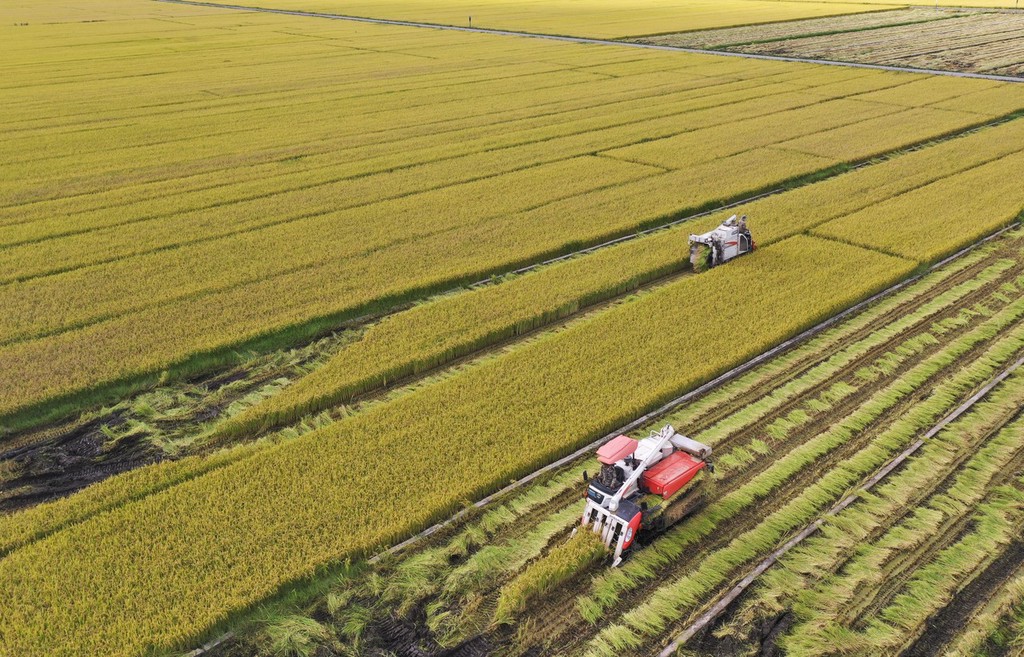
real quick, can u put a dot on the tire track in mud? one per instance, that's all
(905, 564)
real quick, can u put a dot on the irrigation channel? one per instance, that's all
(585, 40)
(843, 408)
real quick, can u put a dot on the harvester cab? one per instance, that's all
(639, 490)
(730, 240)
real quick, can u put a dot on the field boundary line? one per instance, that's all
(785, 186)
(696, 392)
(661, 411)
(719, 607)
(594, 41)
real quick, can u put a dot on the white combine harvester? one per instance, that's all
(639, 491)
(730, 240)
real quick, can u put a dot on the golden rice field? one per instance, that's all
(605, 19)
(277, 516)
(147, 228)
(181, 184)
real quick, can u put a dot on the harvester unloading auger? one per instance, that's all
(730, 240)
(641, 489)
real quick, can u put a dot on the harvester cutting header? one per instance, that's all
(730, 240)
(639, 491)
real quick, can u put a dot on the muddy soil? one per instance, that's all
(56, 460)
(758, 638)
(946, 624)
(82, 455)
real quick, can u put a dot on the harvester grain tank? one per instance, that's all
(730, 240)
(641, 489)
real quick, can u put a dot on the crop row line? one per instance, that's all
(59, 395)
(209, 283)
(952, 472)
(736, 203)
(911, 324)
(586, 40)
(705, 411)
(666, 408)
(585, 251)
(719, 607)
(846, 394)
(320, 208)
(857, 444)
(420, 148)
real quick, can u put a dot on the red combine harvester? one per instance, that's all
(639, 491)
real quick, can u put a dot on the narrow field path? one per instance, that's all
(586, 40)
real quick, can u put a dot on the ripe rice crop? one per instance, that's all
(437, 332)
(165, 235)
(948, 165)
(275, 517)
(594, 18)
(874, 137)
(17, 529)
(561, 564)
(939, 168)
(935, 220)
(690, 148)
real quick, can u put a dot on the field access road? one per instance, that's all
(604, 42)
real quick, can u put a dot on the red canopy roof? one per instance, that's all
(616, 449)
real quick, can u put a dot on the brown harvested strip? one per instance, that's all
(985, 42)
(732, 36)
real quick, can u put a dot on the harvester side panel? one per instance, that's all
(670, 474)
